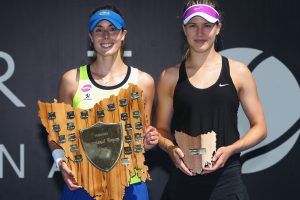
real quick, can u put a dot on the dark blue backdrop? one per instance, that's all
(41, 39)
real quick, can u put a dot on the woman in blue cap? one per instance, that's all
(85, 86)
(201, 95)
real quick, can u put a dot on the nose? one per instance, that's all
(105, 34)
(199, 31)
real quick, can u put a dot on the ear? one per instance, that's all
(124, 32)
(219, 28)
(183, 28)
(91, 38)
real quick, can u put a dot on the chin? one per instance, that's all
(109, 52)
(203, 48)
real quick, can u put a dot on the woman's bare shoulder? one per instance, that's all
(170, 73)
(238, 68)
(70, 75)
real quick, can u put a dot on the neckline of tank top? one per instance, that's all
(216, 83)
(103, 87)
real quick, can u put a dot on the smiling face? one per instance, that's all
(107, 40)
(201, 34)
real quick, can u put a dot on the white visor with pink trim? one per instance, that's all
(202, 10)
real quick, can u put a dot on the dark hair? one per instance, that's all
(106, 7)
(116, 10)
(215, 5)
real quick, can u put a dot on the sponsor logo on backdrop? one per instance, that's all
(4, 77)
(280, 96)
(19, 169)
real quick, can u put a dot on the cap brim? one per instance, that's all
(203, 15)
(115, 23)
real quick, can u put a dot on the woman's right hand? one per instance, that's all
(68, 176)
(176, 155)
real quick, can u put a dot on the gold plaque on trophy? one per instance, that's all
(102, 143)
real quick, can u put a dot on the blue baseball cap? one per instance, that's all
(108, 15)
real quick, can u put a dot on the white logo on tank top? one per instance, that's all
(223, 85)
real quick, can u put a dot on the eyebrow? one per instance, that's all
(193, 23)
(98, 25)
(190, 23)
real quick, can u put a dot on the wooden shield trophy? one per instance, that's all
(104, 145)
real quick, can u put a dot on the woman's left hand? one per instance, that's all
(151, 137)
(219, 159)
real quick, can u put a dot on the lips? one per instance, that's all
(200, 41)
(106, 45)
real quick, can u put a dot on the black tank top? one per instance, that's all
(198, 111)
